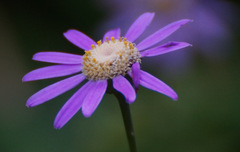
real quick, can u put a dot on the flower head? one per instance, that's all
(110, 58)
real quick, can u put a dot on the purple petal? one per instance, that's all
(136, 74)
(79, 39)
(94, 97)
(54, 90)
(165, 48)
(112, 33)
(58, 57)
(151, 82)
(161, 34)
(52, 72)
(122, 85)
(72, 106)
(139, 26)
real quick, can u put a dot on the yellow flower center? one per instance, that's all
(109, 59)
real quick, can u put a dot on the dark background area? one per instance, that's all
(205, 119)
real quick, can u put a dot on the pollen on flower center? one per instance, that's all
(109, 59)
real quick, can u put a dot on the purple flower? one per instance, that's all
(111, 58)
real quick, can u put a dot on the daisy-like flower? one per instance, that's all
(110, 58)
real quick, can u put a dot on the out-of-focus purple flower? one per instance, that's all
(110, 58)
(209, 33)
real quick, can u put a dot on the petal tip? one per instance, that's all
(185, 44)
(86, 114)
(36, 56)
(25, 78)
(57, 126)
(30, 103)
(191, 20)
(69, 32)
(27, 105)
(187, 20)
(175, 98)
(184, 21)
(130, 101)
(64, 33)
(172, 94)
(152, 13)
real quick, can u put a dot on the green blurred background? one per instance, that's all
(205, 119)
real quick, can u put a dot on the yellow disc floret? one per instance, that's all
(109, 59)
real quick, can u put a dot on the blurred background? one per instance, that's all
(206, 77)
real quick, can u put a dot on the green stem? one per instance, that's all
(125, 109)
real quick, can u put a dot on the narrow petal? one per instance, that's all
(139, 26)
(94, 97)
(79, 39)
(122, 85)
(58, 57)
(54, 90)
(165, 48)
(72, 106)
(151, 82)
(52, 72)
(136, 74)
(112, 33)
(161, 34)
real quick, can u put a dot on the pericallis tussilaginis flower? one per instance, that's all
(110, 58)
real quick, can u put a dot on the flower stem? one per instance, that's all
(126, 114)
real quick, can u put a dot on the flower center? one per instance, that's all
(109, 59)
